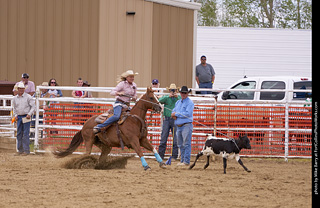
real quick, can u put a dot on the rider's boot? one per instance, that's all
(97, 130)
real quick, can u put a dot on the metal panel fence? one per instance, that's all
(274, 131)
(264, 125)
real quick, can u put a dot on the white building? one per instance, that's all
(236, 52)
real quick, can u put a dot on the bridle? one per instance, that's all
(154, 105)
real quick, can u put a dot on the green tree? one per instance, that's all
(294, 14)
(305, 14)
(241, 13)
(208, 13)
(256, 13)
(268, 11)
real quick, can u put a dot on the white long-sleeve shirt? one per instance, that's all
(23, 105)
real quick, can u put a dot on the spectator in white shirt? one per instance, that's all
(23, 108)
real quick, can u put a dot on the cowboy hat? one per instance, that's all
(21, 85)
(185, 89)
(128, 73)
(44, 84)
(86, 83)
(172, 87)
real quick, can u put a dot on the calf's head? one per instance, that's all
(244, 142)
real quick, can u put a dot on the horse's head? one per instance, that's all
(151, 101)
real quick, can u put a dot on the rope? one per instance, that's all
(193, 121)
(234, 141)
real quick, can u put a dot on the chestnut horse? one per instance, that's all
(133, 133)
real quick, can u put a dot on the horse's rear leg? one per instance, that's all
(105, 150)
(146, 144)
(89, 144)
(88, 140)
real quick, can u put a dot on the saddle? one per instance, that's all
(103, 117)
(125, 113)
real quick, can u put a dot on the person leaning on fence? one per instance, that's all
(169, 102)
(78, 106)
(23, 108)
(79, 93)
(29, 85)
(44, 94)
(125, 91)
(89, 108)
(54, 92)
(87, 84)
(183, 115)
(205, 75)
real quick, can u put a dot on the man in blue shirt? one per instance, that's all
(183, 115)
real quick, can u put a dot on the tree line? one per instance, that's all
(290, 14)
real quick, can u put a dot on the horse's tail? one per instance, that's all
(76, 141)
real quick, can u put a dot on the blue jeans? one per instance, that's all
(23, 140)
(206, 85)
(168, 124)
(112, 119)
(184, 134)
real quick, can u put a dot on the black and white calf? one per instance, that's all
(224, 147)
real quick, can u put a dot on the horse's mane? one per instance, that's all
(139, 99)
(141, 96)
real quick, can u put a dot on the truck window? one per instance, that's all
(242, 95)
(303, 85)
(272, 95)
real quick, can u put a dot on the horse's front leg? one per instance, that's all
(146, 144)
(136, 146)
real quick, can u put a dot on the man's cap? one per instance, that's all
(155, 81)
(25, 75)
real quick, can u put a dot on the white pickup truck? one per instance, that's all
(260, 119)
(272, 83)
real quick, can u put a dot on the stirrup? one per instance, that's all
(96, 130)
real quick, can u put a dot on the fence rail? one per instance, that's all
(274, 131)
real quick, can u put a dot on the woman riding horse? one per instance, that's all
(124, 91)
(133, 132)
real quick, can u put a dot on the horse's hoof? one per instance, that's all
(163, 165)
(249, 171)
(147, 168)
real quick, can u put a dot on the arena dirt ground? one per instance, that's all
(42, 181)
